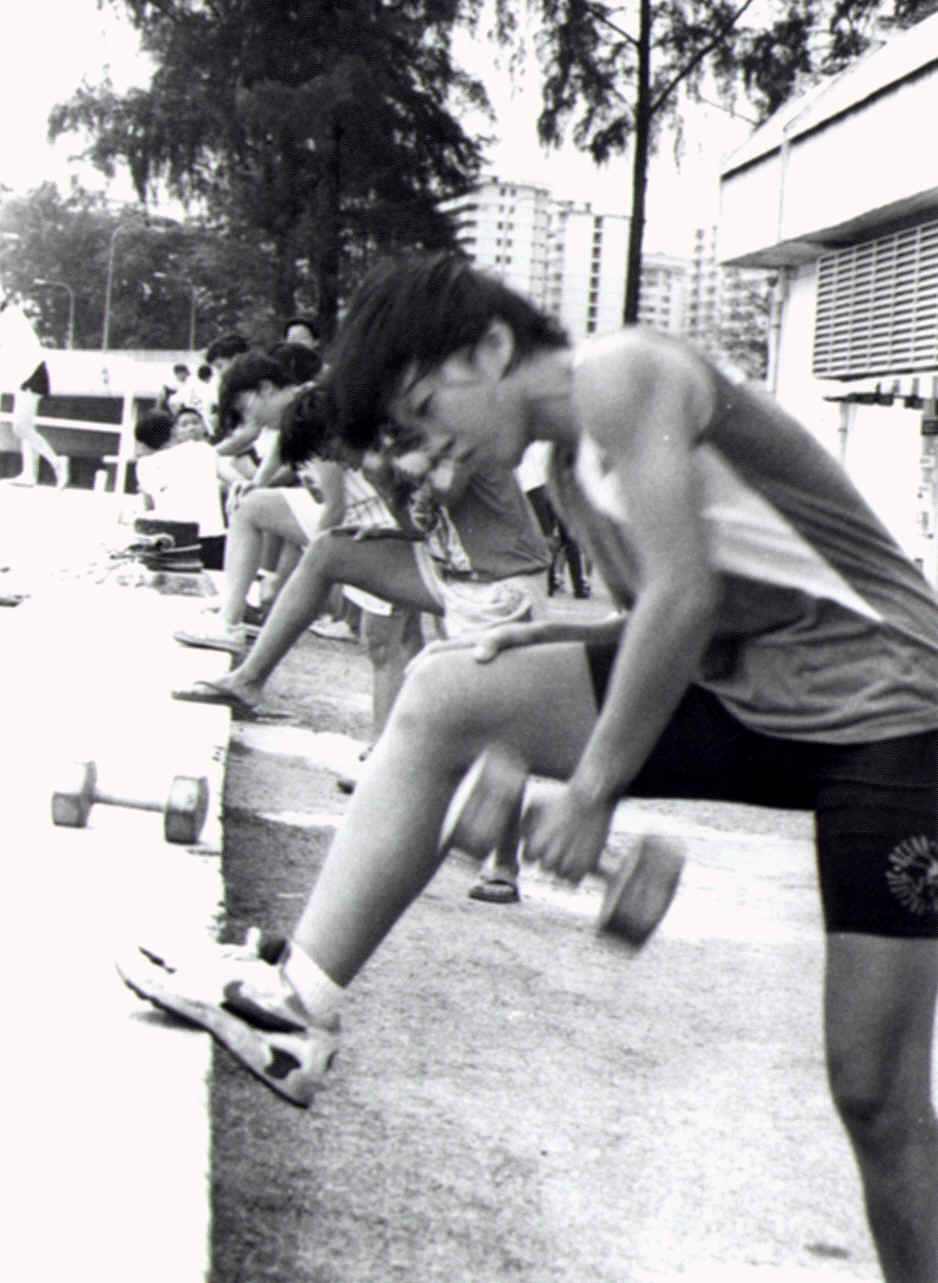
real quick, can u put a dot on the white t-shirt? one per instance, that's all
(182, 481)
(532, 470)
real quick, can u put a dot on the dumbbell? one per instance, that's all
(184, 809)
(487, 804)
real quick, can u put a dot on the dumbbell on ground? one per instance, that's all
(487, 804)
(184, 808)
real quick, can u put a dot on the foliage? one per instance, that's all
(326, 128)
(744, 320)
(156, 265)
(616, 75)
(807, 40)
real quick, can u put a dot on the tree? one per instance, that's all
(320, 126)
(619, 72)
(806, 41)
(744, 320)
(156, 265)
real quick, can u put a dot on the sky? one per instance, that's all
(51, 45)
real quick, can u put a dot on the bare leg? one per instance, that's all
(33, 445)
(261, 512)
(449, 709)
(387, 568)
(880, 1012)
(392, 642)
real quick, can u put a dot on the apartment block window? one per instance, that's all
(877, 306)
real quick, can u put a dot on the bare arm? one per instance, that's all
(331, 482)
(644, 406)
(648, 435)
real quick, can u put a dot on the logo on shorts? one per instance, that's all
(913, 875)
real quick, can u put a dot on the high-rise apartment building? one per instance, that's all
(563, 255)
(505, 226)
(571, 261)
(662, 302)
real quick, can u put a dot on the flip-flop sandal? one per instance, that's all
(495, 891)
(205, 692)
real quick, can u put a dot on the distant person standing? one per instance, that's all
(24, 372)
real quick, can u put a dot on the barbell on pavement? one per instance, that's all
(184, 808)
(487, 805)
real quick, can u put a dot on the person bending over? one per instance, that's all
(778, 649)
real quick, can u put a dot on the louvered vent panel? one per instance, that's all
(877, 306)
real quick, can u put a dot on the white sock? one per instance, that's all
(319, 993)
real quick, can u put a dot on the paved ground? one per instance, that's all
(516, 1099)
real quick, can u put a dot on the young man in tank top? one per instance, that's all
(775, 648)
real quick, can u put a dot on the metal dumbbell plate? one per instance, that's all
(638, 896)
(186, 809)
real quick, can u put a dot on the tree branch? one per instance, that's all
(600, 14)
(698, 58)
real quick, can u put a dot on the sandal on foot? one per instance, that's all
(495, 891)
(205, 692)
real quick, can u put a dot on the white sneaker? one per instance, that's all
(235, 639)
(334, 629)
(239, 994)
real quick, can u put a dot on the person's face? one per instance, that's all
(188, 427)
(259, 407)
(462, 407)
(302, 335)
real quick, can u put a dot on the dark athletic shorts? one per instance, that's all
(38, 381)
(875, 804)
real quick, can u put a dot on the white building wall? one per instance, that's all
(881, 447)
(876, 154)
(813, 171)
(794, 385)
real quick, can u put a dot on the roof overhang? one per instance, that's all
(811, 245)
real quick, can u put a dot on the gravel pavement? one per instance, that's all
(517, 1098)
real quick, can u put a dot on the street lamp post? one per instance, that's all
(171, 276)
(70, 342)
(106, 326)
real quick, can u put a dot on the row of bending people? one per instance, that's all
(803, 677)
(457, 543)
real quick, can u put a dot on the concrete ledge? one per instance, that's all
(108, 1127)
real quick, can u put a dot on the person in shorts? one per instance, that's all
(25, 371)
(775, 647)
(468, 551)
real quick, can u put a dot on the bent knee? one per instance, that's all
(435, 695)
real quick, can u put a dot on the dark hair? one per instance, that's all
(226, 345)
(204, 372)
(420, 307)
(307, 428)
(300, 362)
(246, 373)
(307, 322)
(180, 368)
(154, 428)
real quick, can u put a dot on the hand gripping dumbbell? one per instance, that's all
(184, 809)
(487, 805)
